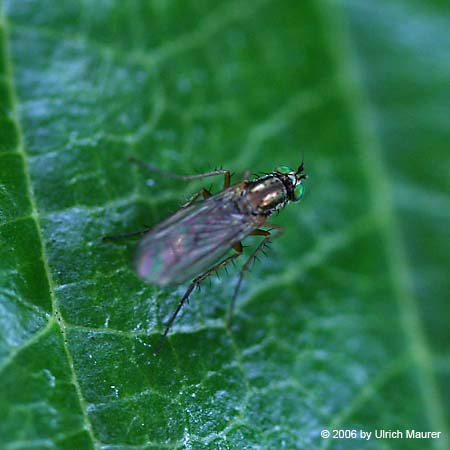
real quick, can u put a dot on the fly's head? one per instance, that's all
(292, 180)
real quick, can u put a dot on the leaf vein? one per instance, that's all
(35, 214)
(348, 79)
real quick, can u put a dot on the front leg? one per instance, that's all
(151, 168)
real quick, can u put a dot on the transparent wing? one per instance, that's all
(191, 240)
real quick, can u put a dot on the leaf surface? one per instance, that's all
(343, 326)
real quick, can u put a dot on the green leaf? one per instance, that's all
(343, 326)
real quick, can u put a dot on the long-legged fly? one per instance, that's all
(193, 242)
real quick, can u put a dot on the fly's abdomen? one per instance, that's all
(175, 259)
(161, 257)
(188, 242)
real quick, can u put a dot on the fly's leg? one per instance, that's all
(267, 236)
(202, 191)
(152, 168)
(192, 286)
(115, 237)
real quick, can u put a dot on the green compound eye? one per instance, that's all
(283, 169)
(298, 192)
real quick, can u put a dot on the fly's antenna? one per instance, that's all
(301, 167)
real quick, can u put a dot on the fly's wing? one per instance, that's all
(191, 240)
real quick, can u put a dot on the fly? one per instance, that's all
(192, 244)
